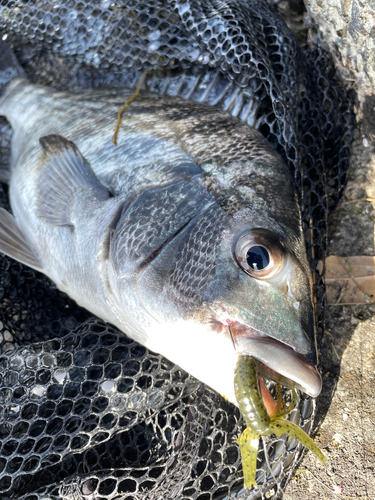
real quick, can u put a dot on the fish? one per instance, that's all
(186, 235)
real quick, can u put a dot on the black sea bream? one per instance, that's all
(186, 235)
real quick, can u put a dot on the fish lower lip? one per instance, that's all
(279, 362)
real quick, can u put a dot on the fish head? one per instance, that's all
(263, 293)
(221, 288)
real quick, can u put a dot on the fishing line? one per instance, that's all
(268, 465)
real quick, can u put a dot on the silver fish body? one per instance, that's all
(158, 234)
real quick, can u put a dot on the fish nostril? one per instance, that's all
(287, 289)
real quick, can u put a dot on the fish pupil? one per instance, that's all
(258, 258)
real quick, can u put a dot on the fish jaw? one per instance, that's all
(203, 350)
(208, 353)
(279, 362)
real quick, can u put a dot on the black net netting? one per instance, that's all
(85, 412)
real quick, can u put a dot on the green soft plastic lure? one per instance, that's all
(258, 422)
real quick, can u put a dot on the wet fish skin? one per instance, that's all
(142, 234)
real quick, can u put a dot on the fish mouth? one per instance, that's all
(278, 361)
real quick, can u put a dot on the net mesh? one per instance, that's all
(87, 413)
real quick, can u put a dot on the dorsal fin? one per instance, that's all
(63, 172)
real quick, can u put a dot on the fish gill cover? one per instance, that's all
(86, 412)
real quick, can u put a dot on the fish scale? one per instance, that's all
(196, 264)
(169, 208)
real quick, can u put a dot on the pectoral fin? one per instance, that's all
(64, 171)
(14, 244)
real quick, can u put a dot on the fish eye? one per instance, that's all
(260, 254)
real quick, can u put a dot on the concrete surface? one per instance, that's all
(345, 422)
(347, 27)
